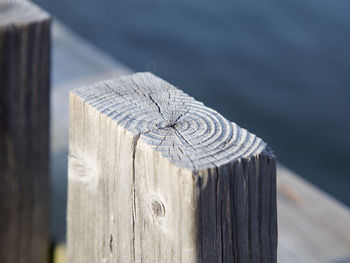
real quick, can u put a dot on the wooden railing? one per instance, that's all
(155, 176)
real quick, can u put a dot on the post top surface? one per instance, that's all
(182, 129)
(20, 12)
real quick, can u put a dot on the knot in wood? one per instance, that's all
(157, 208)
(165, 124)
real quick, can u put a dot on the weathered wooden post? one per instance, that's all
(24, 132)
(156, 176)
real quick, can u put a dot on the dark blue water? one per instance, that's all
(279, 68)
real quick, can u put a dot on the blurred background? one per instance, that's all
(281, 69)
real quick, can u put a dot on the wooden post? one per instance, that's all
(24, 132)
(156, 176)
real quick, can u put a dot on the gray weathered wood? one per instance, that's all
(313, 227)
(155, 176)
(24, 129)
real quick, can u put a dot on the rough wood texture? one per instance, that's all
(155, 176)
(24, 129)
(80, 71)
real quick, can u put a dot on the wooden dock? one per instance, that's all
(312, 226)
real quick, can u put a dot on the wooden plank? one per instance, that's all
(86, 60)
(24, 132)
(313, 227)
(155, 176)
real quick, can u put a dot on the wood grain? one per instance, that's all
(156, 176)
(24, 129)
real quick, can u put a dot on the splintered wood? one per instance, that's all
(156, 176)
(24, 132)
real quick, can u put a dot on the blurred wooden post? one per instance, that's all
(156, 176)
(24, 132)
